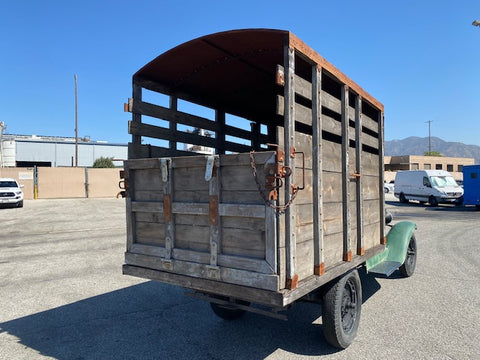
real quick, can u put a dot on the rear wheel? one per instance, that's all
(408, 266)
(229, 311)
(402, 198)
(432, 200)
(341, 308)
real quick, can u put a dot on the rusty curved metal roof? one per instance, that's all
(233, 70)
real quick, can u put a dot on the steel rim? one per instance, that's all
(349, 306)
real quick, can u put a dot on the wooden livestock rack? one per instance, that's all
(260, 177)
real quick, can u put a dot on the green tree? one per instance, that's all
(432, 153)
(103, 162)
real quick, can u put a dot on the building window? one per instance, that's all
(449, 167)
(438, 167)
(414, 166)
(460, 168)
(427, 166)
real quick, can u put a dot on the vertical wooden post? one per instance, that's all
(255, 139)
(136, 117)
(167, 177)
(381, 146)
(214, 218)
(347, 238)
(317, 168)
(289, 142)
(172, 144)
(358, 166)
(220, 134)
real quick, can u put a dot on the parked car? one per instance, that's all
(11, 192)
(388, 187)
(432, 186)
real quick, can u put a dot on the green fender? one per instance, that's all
(395, 251)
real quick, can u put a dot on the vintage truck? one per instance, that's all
(284, 199)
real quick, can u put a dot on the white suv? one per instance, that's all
(10, 192)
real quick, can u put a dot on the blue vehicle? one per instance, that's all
(471, 185)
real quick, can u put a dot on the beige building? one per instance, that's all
(454, 165)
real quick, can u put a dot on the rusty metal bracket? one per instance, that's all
(356, 175)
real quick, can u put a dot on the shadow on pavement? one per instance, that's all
(156, 321)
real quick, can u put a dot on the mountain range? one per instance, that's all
(414, 145)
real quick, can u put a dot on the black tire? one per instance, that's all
(408, 267)
(385, 190)
(341, 309)
(20, 204)
(229, 312)
(432, 200)
(402, 198)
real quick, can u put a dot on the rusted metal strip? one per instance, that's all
(213, 210)
(167, 208)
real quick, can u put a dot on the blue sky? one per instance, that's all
(421, 59)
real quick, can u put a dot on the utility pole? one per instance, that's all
(429, 138)
(2, 156)
(76, 124)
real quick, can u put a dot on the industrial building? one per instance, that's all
(453, 165)
(53, 151)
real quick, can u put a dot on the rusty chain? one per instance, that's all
(280, 209)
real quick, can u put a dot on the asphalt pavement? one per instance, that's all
(63, 296)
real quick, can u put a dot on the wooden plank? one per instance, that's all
(233, 276)
(242, 210)
(347, 241)
(140, 151)
(172, 144)
(259, 296)
(241, 242)
(358, 167)
(179, 117)
(150, 206)
(136, 118)
(149, 233)
(289, 141)
(370, 140)
(215, 219)
(168, 198)
(381, 147)
(151, 250)
(180, 136)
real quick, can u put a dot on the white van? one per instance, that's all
(432, 186)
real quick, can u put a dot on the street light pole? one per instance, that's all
(76, 124)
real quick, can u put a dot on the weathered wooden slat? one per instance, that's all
(149, 233)
(289, 141)
(188, 138)
(144, 206)
(381, 147)
(179, 117)
(358, 168)
(140, 151)
(168, 198)
(259, 296)
(214, 217)
(233, 276)
(347, 241)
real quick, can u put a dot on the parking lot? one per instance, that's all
(63, 296)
